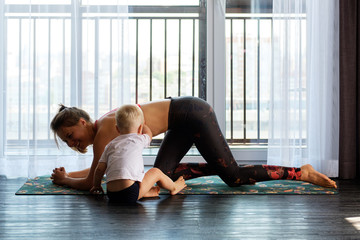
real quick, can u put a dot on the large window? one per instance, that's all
(85, 53)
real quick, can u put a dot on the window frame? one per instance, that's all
(211, 79)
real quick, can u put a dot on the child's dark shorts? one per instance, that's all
(128, 195)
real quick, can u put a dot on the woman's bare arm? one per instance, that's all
(79, 174)
(60, 177)
(77, 183)
(105, 134)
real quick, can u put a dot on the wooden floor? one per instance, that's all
(181, 217)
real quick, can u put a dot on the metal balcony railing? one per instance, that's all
(167, 57)
(167, 50)
(249, 45)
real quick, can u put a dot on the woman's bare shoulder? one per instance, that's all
(106, 121)
(106, 127)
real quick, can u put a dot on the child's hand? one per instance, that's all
(97, 190)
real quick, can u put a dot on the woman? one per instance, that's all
(186, 120)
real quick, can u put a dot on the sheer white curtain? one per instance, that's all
(57, 51)
(304, 106)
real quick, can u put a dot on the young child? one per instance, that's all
(122, 160)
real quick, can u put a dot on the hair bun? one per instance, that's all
(62, 107)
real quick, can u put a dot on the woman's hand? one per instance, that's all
(97, 190)
(59, 175)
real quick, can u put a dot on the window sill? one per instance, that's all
(242, 154)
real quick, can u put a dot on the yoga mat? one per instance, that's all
(199, 186)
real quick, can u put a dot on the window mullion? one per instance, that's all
(217, 60)
(3, 30)
(76, 54)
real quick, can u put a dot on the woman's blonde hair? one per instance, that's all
(129, 117)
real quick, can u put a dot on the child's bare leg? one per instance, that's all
(166, 182)
(153, 192)
(179, 184)
(155, 175)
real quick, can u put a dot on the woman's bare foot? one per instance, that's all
(153, 192)
(309, 174)
(179, 184)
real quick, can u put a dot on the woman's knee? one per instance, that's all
(232, 182)
(236, 180)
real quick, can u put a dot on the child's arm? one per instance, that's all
(99, 174)
(146, 130)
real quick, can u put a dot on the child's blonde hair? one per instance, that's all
(128, 118)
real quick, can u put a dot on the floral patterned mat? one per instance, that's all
(200, 186)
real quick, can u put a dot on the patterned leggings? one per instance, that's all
(192, 120)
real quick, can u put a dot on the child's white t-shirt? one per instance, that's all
(123, 156)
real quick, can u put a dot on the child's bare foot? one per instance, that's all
(309, 174)
(179, 185)
(153, 192)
